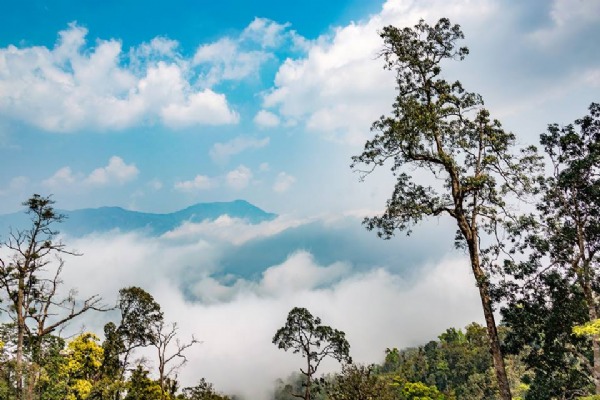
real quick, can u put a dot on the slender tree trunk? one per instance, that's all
(593, 314)
(308, 377)
(486, 303)
(20, 336)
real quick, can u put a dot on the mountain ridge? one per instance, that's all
(85, 221)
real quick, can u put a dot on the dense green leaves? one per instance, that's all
(554, 285)
(439, 129)
(304, 334)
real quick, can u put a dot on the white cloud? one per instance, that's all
(200, 182)
(568, 17)
(266, 119)
(340, 87)
(16, 184)
(221, 152)
(390, 316)
(266, 32)
(283, 182)
(225, 60)
(233, 230)
(240, 57)
(202, 108)
(300, 272)
(239, 178)
(62, 177)
(155, 184)
(70, 87)
(264, 167)
(117, 171)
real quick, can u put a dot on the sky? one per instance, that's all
(154, 106)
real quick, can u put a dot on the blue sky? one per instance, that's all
(154, 106)
(157, 105)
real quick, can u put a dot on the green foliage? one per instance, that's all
(420, 391)
(304, 334)
(139, 313)
(459, 365)
(141, 387)
(554, 287)
(440, 129)
(202, 391)
(358, 382)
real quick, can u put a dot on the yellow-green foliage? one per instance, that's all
(588, 329)
(420, 391)
(80, 389)
(84, 357)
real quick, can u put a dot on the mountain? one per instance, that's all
(103, 219)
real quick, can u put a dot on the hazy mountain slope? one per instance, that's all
(103, 219)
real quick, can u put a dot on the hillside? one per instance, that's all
(85, 221)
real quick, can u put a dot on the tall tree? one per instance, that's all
(439, 128)
(140, 314)
(30, 280)
(557, 286)
(165, 338)
(304, 334)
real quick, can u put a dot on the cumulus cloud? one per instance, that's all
(206, 108)
(117, 171)
(339, 87)
(224, 60)
(70, 87)
(63, 177)
(221, 152)
(200, 182)
(266, 32)
(266, 119)
(237, 58)
(283, 182)
(239, 178)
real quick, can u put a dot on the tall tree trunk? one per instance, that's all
(593, 314)
(20, 336)
(490, 321)
(308, 377)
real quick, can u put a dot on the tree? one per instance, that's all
(202, 391)
(30, 280)
(163, 338)
(81, 369)
(439, 128)
(420, 391)
(304, 334)
(556, 286)
(358, 382)
(141, 387)
(140, 314)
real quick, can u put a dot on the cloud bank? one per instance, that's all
(235, 314)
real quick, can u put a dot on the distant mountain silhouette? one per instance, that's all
(103, 219)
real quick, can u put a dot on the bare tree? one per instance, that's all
(31, 290)
(163, 338)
